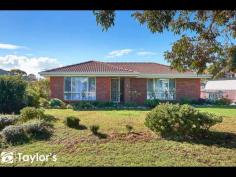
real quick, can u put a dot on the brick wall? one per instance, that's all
(57, 87)
(103, 88)
(187, 88)
(139, 85)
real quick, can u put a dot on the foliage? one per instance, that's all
(37, 129)
(17, 72)
(130, 104)
(29, 113)
(6, 120)
(207, 49)
(222, 101)
(43, 102)
(32, 97)
(94, 129)
(69, 106)
(151, 103)
(83, 105)
(180, 120)
(12, 94)
(129, 128)
(14, 134)
(105, 18)
(56, 103)
(18, 134)
(72, 122)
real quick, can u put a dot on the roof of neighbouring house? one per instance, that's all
(3, 72)
(119, 68)
(221, 85)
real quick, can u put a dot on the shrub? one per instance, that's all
(180, 120)
(69, 106)
(94, 129)
(185, 100)
(56, 103)
(130, 104)
(83, 105)
(222, 101)
(43, 102)
(28, 113)
(6, 120)
(37, 129)
(14, 134)
(129, 128)
(33, 129)
(12, 94)
(72, 122)
(32, 97)
(151, 103)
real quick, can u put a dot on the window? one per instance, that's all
(79, 88)
(163, 89)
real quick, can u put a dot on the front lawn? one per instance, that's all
(78, 147)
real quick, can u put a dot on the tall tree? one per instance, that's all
(18, 72)
(208, 48)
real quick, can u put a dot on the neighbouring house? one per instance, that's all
(3, 72)
(122, 82)
(216, 89)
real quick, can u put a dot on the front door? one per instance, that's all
(115, 90)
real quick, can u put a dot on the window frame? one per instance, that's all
(87, 90)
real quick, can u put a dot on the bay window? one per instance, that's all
(79, 88)
(163, 89)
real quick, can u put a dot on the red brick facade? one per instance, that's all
(135, 89)
(187, 88)
(103, 88)
(57, 87)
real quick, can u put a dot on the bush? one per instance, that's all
(222, 101)
(69, 106)
(151, 103)
(129, 128)
(72, 122)
(12, 94)
(37, 129)
(34, 129)
(6, 120)
(56, 103)
(43, 103)
(180, 120)
(29, 113)
(94, 129)
(83, 105)
(130, 104)
(185, 101)
(31, 97)
(14, 134)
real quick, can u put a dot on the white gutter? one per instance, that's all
(133, 74)
(175, 76)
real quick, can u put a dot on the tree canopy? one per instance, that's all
(206, 37)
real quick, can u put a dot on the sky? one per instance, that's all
(38, 40)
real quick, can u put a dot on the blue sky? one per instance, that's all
(36, 40)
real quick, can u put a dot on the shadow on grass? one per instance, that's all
(101, 135)
(219, 139)
(216, 107)
(80, 127)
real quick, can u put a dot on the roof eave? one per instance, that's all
(201, 76)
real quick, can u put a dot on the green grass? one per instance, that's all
(75, 147)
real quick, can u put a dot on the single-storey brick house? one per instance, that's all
(122, 82)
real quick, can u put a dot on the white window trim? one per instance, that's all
(87, 91)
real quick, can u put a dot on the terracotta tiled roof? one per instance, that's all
(118, 67)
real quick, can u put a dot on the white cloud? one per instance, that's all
(28, 64)
(118, 53)
(146, 53)
(10, 46)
